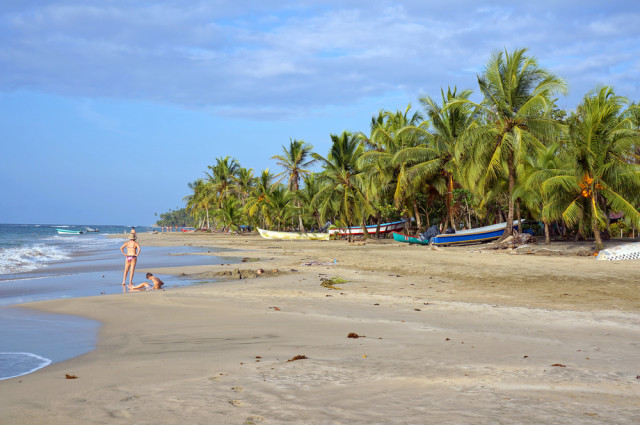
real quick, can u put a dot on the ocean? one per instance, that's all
(37, 263)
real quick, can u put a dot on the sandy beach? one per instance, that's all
(455, 335)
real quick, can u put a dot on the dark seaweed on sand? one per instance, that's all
(298, 357)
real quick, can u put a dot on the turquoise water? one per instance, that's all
(37, 264)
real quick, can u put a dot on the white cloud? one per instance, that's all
(299, 56)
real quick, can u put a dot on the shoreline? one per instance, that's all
(452, 335)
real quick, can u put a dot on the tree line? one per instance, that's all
(513, 155)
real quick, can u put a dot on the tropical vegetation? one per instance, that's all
(512, 154)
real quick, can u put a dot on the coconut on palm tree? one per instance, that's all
(599, 177)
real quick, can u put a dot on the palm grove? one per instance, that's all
(514, 155)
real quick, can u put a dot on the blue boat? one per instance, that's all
(477, 235)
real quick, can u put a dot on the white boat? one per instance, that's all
(273, 234)
(69, 232)
(628, 251)
(371, 229)
(90, 229)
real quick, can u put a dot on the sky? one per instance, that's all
(108, 109)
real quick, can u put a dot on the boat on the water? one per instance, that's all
(627, 251)
(90, 229)
(273, 234)
(69, 232)
(461, 237)
(371, 229)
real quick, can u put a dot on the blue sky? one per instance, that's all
(108, 109)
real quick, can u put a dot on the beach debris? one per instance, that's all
(525, 357)
(364, 356)
(298, 357)
(377, 304)
(355, 335)
(558, 365)
(417, 309)
(275, 308)
(236, 403)
(67, 376)
(237, 389)
(254, 420)
(330, 283)
(447, 339)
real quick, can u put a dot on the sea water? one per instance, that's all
(37, 263)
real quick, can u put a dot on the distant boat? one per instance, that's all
(371, 229)
(89, 229)
(69, 232)
(272, 234)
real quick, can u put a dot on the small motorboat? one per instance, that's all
(69, 232)
(90, 229)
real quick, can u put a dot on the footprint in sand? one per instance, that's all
(236, 403)
(237, 389)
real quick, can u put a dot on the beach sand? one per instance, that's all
(455, 335)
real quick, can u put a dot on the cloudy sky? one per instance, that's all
(108, 109)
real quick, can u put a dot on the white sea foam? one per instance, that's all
(26, 258)
(18, 364)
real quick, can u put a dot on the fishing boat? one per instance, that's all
(69, 232)
(479, 234)
(461, 237)
(371, 229)
(91, 229)
(399, 237)
(627, 251)
(272, 234)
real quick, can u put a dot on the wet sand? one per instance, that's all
(456, 335)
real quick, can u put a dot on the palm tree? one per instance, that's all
(600, 141)
(295, 160)
(385, 179)
(230, 214)
(434, 160)
(342, 191)
(279, 208)
(222, 177)
(257, 204)
(516, 93)
(244, 183)
(199, 202)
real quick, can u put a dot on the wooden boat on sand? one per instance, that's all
(371, 229)
(273, 234)
(461, 237)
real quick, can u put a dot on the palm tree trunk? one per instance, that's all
(547, 236)
(518, 215)
(417, 214)
(512, 182)
(450, 220)
(379, 221)
(365, 233)
(594, 224)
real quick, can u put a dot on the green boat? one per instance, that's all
(399, 237)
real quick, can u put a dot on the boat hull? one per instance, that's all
(629, 251)
(399, 237)
(371, 229)
(310, 236)
(478, 235)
